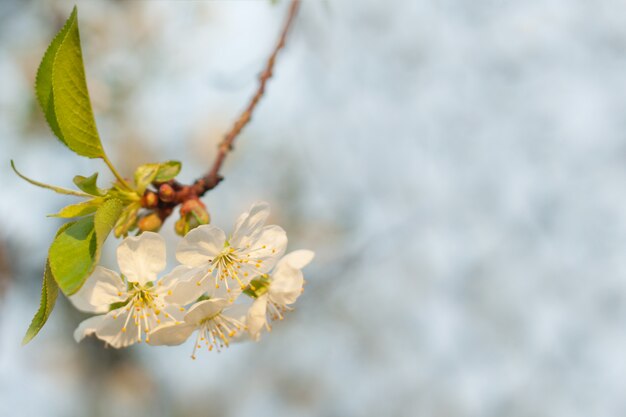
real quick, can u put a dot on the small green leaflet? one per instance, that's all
(59, 190)
(144, 175)
(155, 172)
(127, 220)
(167, 171)
(80, 209)
(49, 292)
(88, 184)
(62, 92)
(75, 252)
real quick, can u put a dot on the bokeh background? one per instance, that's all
(458, 167)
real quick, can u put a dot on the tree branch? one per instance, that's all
(212, 178)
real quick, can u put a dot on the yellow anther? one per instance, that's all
(123, 329)
(169, 292)
(198, 283)
(182, 309)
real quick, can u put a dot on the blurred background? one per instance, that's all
(458, 167)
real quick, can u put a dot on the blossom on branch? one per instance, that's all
(135, 302)
(216, 320)
(224, 267)
(274, 293)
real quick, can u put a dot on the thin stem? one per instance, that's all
(117, 174)
(212, 178)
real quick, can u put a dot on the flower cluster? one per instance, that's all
(222, 289)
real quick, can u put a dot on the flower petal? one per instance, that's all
(200, 245)
(205, 309)
(297, 259)
(181, 285)
(171, 334)
(257, 317)
(249, 224)
(142, 257)
(286, 285)
(102, 288)
(88, 327)
(266, 250)
(111, 332)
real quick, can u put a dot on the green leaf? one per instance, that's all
(106, 217)
(63, 95)
(43, 82)
(157, 172)
(79, 210)
(89, 184)
(76, 250)
(128, 219)
(144, 175)
(167, 171)
(72, 255)
(49, 292)
(59, 190)
(122, 194)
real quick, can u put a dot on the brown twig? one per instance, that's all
(212, 178)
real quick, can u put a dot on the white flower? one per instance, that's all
(217, 320)
(134, 303)
(209, 259)
(275, 292)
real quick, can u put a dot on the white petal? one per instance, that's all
(248, 226)
(102, 288)
(297, 259)
(200, 245)
(181, 285)
(88, 327)
(171, 334)
(257, 317)
(286, 285)
(111, 330)
(205, 309)
(142, 257)
(237, 311)
(268, 249)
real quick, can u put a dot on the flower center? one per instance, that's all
(146, 308)
(236, 264)
(215, 332)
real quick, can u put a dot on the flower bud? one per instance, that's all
(149, 200)
(181, 227)
(150, 223)
(193, 213)
(166, 193)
